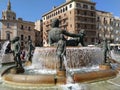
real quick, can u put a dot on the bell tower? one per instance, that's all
(8, 14)
(9, 6)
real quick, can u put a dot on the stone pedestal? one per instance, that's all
(28, 63)
(104, 66)
(60, 80)
(61, 77)
(61, 73)
(17, 70)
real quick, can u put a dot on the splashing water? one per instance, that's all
(65, 63)
(2, 52)
(75, 87)
(76, 57)
(115, 56)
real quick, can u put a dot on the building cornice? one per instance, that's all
(16, 21)
(66, 3)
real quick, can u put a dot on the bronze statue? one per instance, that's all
(61, 51)
(81, 38)
(106, 50)
(30, 50)
(56, 38)
(55, 32)
(77, 41)
(17, 51)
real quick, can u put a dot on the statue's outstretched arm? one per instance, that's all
(70, 34)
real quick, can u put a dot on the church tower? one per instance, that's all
(12, 27)
(8, 14)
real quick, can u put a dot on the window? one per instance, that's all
(111, 23)
(21, 26)
(63, 10)
(8, 35)
(85, 13)
(92, 39)
(8, 25)
(58, 12)
(22, 37)
(13, 18)
(66, 8)
(92, 14)
(22, 44)
(105, 21)
(78, 5)
(92, 8)
(85, 6)
(77, 11)
(70, 5)
(29, 28)
(98, 19)
(29, 38)
(59, 17)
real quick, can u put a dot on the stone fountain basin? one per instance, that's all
(52, 80)
(94, 76)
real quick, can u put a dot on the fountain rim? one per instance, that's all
(43, 81)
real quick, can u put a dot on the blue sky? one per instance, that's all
(32, 10)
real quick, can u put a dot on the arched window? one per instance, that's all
(8, 25)
(7, 35)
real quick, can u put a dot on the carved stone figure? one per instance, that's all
(61, 51)
(55, 32)
(17, 51)
(30, 50)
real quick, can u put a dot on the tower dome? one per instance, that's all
(8, 14)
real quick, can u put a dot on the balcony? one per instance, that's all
(86, 16)
(64, 17)
(86, 22)
(64, 24)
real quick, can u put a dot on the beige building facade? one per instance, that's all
(74, 15)
(116, 26)
(12, 27)
(104, 25)
(39, 33)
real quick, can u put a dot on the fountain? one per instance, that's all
(80, 65)
(5, 53)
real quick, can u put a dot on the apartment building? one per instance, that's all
(74, 15)
(105, 27)
(39, 33)
(116, 26)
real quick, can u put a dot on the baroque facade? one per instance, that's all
(12, 27)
